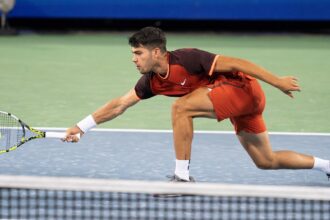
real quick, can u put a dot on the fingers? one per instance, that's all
(289, 94)
(295, 88)
(289, 83)
(73, 135)
(71, 138)
(294, 84)
(294, 78)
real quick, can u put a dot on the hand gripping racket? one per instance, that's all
(14, 133)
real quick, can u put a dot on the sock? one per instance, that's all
(322, 165)
(182, 169)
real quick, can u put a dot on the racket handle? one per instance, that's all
(58, 135)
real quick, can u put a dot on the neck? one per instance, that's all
(162, 66)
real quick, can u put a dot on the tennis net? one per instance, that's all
(23, 197)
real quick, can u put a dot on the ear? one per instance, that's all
(156, 52)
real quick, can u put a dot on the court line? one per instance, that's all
(197, 132)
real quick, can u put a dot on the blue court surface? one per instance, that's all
(143, 155)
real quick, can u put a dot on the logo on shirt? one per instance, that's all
(183, 82)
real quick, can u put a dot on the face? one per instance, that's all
(144, 59)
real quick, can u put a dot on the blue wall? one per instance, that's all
(175, 9)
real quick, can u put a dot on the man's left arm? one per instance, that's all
(286, 84)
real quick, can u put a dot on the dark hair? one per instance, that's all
(150, 37)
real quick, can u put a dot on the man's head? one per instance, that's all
(148, 46)
(150, 38)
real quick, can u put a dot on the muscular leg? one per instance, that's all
(198, 104)
(184, 109)
(259, 148)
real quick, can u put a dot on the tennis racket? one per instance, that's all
(14, 133)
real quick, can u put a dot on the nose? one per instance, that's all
(134, 59)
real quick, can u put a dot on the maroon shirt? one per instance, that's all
(188, 70)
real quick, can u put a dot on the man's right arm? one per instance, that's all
(109, 111)
(115, 107)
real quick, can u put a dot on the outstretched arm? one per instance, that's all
(115, 107)
(109, 111)
(286, 84)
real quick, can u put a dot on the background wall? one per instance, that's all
(302, 10)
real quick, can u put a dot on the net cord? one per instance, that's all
(155, 187)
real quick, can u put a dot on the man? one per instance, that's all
(210, 86)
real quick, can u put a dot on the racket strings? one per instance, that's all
(11, 132)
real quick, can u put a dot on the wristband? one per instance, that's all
(87, 123)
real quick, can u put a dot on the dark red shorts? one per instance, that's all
(242, 102)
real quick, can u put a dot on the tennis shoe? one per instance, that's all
(175, 178)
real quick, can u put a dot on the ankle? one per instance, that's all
(321, 165)
(182, 169)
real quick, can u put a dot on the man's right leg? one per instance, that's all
(184, 109)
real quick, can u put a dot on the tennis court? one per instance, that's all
(55, 80)
(104, 156)
(73, 74)
(216, 157)
(48, 83)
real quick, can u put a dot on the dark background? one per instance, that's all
(184, 15)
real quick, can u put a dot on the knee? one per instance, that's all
(266, 164)
(179, 107)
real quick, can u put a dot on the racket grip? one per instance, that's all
(58, 135)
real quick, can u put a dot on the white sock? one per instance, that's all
(182, 169)
(322, 165)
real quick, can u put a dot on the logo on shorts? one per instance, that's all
(183, 82)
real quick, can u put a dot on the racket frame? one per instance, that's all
(38, 133)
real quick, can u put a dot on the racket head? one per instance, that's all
(14, 132)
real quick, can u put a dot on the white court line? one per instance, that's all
(197, 132)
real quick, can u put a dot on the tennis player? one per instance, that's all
(210, 86)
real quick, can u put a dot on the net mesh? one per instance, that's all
(11, 131)
(67, 198)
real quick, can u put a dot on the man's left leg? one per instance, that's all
(184, 109)
(259, 148)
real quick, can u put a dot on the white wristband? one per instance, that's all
(87, 123)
